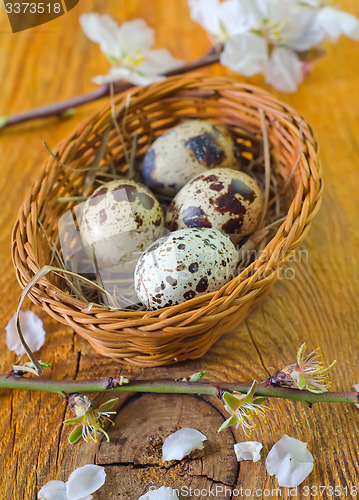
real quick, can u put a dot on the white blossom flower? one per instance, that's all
(90, 420)
(181, 443)
(290, 461)
(248, 450)
(32, 329)
(129, 49)
(243, 408)
(268, 36)
(163, 493)
(307, 373)
(356, 387)
(282, 29)
(81, 484)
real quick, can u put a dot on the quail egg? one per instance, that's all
(183, 265)
(223, 199)
(186, 150)
(121, 217)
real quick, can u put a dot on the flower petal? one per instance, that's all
(102, 30)
(356, 387)
(33, 331)
(76, 434)
(163, 493)
(181, 443)
(135, 35)
(84, 481)
(284, 71)
(245, 54)
(290, 461)
(336, 22)
(206, 14)
(114, 75)
(53, 490)
(158, 62)
(303, 31)
(249, 450)
(105, 407)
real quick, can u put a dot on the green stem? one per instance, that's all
(109, 384)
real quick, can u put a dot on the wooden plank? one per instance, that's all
(54, 62)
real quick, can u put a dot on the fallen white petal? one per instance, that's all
(181, 443)
(53, 490)
(245, 54)
(84, 481)
(290, 461)
(32, 329)
(336, 22)
(285, 70)
(248, 450)
(356, 387)
(163, 493)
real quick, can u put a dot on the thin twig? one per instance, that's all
(115, 122)
(267, 169)
(60, 109)
(298, 157)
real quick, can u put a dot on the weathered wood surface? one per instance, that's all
(319, 306)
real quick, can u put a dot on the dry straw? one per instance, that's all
(270, 135)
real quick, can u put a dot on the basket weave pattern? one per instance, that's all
(187, 330)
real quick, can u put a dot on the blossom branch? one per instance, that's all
(110, 384)
(64, 108)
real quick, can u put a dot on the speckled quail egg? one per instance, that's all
(186, 150)
(223, 199)
(183, 265)
(120, 217)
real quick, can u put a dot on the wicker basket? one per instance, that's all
(184, 331)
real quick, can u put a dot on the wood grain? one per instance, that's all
(319, 306)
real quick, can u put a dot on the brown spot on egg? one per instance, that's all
(233, 226)
(181, 246)
(240, 187)
(193, 268)
(216, 186)
(181, 267)
(205, 149)
(93, 201)
(228, 202)
(195, 217)
(171, 281)
(210, 178)
(102, 216)
(189, 295)
(202, 285)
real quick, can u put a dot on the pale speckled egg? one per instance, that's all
(120, 217)
(223, 199)
(186, 150)
(183, 265)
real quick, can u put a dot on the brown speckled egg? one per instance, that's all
(223, 199)
(183, 265)
(120, 217)
(186, 150)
